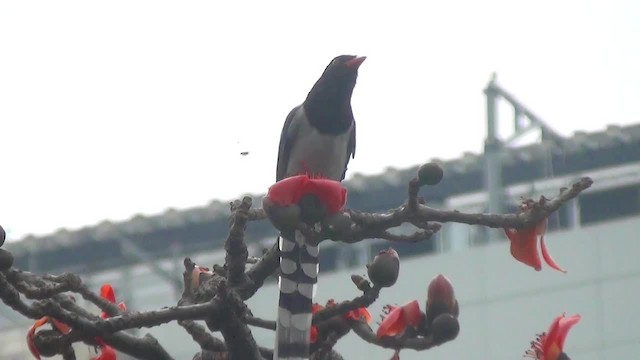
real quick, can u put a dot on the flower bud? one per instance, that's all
(444, 328)
(361, 283)
(46, 349)
(430, 174)
(384, 269)
(441, 298)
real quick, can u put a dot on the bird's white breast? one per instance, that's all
(318, 154)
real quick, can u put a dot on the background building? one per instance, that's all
(503, 303)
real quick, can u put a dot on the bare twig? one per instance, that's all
(261, 323)
(423, 213)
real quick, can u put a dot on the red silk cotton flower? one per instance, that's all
(106, 352)
(549, 345)
(31, 333)
(107, 292)
(315, 307)
(355, 315)
(289, 191)
(399, 318)
(524, 246)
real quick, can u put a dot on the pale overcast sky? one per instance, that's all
(108, 109)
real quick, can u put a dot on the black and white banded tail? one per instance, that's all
(298, 278)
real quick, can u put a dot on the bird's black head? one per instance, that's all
(343, 70)
(328, 105)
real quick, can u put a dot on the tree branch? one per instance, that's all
(365, 332)
(235, 247)
(364, 300)
(423, 213)
(218, 297)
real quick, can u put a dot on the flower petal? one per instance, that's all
(314, 334)
(412, 314)
(60, 326)
(564, 326)
(107, 292)
(122, 306)
(524, 246)
(106, 353)
(547, 257)
(393, 324)
(357, 314)
(315, 307)
(365, 314)
(31, 333)
(554, 340)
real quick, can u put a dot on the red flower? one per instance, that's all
(106, 352)
(107, 292)
(315, 307)
(549, 345)
(357, 314)
(31, 333)
(524, 244)
(399, 318)
(290, 190)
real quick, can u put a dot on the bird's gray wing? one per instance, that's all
(287, 137)
(351, 149)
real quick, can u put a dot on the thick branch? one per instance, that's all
(36, 287)
(95, 326)
(366, 333)
(258, 273)
(200, 335)
(364, 300)
(240, 342)
(11, 297)
(235, 247)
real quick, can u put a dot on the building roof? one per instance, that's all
(199, 228)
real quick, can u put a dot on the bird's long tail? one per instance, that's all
(298, 278)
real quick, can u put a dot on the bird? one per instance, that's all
(318, 139)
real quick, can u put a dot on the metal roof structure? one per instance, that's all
(185, 231)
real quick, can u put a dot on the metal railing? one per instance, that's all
(524, 121)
